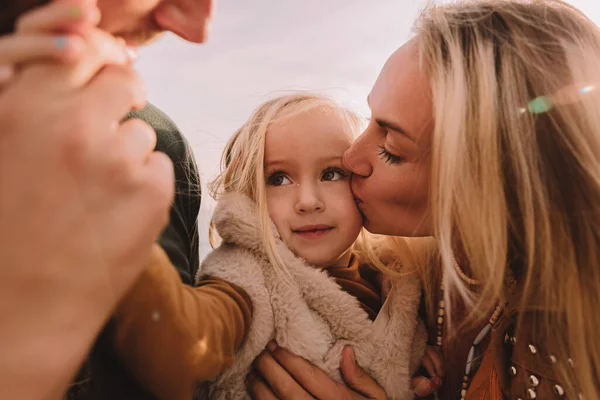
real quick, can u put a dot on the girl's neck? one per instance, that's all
(342, 261)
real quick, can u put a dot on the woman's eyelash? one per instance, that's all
(388, 157)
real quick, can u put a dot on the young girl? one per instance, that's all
(288, 223)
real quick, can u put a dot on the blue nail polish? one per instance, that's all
(60, 42)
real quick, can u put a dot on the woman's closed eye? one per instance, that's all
(333, 174)
(388, 157)
(278, 179)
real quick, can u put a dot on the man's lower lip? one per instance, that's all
(313, 234)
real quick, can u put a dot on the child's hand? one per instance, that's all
(433, 363)
(51, 32)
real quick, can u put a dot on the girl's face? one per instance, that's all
(308, 191)
(391, 160)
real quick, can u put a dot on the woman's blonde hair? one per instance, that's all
(243, 159)
(516, 164)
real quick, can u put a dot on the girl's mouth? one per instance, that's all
(313, 231)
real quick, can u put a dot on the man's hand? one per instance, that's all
(83, 198)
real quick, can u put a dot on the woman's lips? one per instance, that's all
(357, 199)
(313, 231)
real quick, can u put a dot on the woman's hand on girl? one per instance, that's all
(433, 363)
(280, 374)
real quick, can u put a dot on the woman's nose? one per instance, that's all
(189, 19)
(356, 157)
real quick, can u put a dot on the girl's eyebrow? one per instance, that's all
(330, 159)
(276, 162)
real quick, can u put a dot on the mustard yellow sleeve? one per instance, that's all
(173, 336)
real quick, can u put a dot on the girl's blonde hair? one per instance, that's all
(516, 165)
(243, 160)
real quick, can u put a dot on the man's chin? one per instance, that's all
(141, 38)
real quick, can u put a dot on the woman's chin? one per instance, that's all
(390, 227)
(375, 227)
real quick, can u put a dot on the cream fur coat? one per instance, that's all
(315, 319)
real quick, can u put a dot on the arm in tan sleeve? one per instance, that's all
(173, 336)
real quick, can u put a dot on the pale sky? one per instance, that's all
(260, 48)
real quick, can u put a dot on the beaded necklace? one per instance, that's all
(478, 339)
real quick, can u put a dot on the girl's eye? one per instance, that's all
(333, 174)
(389, 157)
(278, 179)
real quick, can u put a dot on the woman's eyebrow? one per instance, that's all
(392, 126)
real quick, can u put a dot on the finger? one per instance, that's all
(59, 15)
(437, 359)
(429, 366)
(114, 92)
(139, 140)
(258, 389)
(101, 50)
(6, 74)
(154, 183)
(279, 380)
(357, 379)
(312, 379)
(20, 49)
(160, 175)
(422, 386)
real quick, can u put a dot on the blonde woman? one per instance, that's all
(485, 134)
(289, 226)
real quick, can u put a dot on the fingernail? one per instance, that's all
(272, 346)
(351, 355)
(60, 42)
(6, 72)
(75, 12)
(348, 353)
(436, 382)
(423, 387)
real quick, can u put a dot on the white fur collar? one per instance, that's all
(313, 318)
(237, 222)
